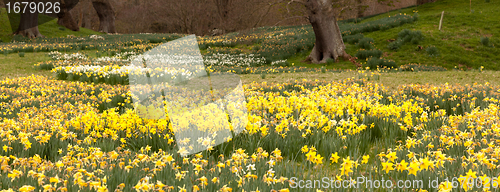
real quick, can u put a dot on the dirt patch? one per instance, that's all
(462, 37)
(467, 48)
(387, 54)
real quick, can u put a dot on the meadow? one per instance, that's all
(68, 121)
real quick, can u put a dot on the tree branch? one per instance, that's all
(296, 1)
(344, 8)
(270, 5)
(290, 18)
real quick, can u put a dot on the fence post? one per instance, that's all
(441, 21)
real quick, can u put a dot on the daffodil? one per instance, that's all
(387, 166)
(334, 157)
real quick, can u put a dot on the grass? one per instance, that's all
(5, 28)
(14, 66)
(49, 28)
(459, 41)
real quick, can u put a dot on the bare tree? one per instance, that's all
(190, 16)
(360, 8)
(193, 16)
(264, 10)
(223, 7)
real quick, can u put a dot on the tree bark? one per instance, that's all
(28, 25)
(86, 22)
(85, 14)
(65, 18)
(106, 15)
(80, 18)
(329, 43)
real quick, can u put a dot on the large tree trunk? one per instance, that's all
(80, 18)
(28, 25)
(65, 18)
(86, 21)
(329, 43)
(106, 15)
(85, 14)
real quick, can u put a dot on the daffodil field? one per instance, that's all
(70, 136)
(81, 131)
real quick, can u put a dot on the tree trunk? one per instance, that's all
(86, 22)
(329, 43)
(65, 18)
(28, 25)
(85, 14)
(80, 18)
(106, 16)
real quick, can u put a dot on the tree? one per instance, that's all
(28, 25)
(329, 43)
(106, 15)
(234, 15)
(267, 7)
(85, 14)
(223, 7)
(360, 8)
(65, 18)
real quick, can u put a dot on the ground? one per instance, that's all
(66, 125)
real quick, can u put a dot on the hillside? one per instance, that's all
(459, 42)
(49, 29)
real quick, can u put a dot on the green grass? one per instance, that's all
(5, 28)
(48, 29)
(14, 66)
(458, 42)
(51, 29)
